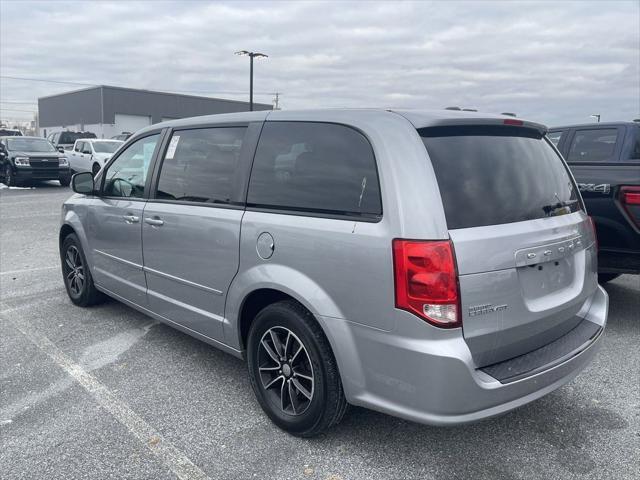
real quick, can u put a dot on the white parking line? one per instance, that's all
(30, 215)
(24, 270)
(173, 458)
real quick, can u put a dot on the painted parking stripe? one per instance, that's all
(25, 270)
(169, 455)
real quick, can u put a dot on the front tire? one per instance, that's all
(76, 274)
(65, 181)
(9, 178)
(293, 371)
(95, 169)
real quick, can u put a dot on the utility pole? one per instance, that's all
(251, 56)
(275, 101)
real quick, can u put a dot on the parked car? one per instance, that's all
(89, 155)
(25, 159)
(437, 266)
(124, 136)
(65, 140)
(605, 161)
(10, 132)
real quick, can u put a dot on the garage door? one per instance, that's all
(131, 123)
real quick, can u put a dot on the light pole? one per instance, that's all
(596, 116)
(251, 57)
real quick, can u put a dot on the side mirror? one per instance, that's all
(61, 149)
(83, 183)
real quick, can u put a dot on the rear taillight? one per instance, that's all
(426, 281)
(630, 200)
(630, 195)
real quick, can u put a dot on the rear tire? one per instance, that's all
(607, 277)
(76, 274)
(295, 377)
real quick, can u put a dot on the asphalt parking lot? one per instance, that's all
(108, 393)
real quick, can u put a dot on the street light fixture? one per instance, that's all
(596, 116)
(251, 56)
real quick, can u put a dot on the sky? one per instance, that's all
(555, 62)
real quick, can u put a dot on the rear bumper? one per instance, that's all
(414, 375)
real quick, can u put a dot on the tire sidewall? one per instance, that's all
(278, 315)
(9, 178)
(72, 240)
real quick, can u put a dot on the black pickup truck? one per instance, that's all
(605, 161)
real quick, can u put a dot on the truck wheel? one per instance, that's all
(95, 169)
(293, 371)
(65, 181)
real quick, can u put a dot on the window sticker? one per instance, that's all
(171, 151)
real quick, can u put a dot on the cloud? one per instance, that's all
(554, 62)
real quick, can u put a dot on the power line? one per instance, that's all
(168, 90)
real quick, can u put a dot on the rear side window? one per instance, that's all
(635, 148)
(555, 137)
(595, 145)
(494, 175)
(200, 165)
(315, 167)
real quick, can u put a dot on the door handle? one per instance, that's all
(131, 218)
(155, 222)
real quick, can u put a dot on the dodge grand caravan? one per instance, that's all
(437, 266)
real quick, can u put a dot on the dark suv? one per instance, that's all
(26, 159)
(605, 160)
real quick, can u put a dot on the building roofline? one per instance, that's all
(156, 92)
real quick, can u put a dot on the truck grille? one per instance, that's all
(42, 163)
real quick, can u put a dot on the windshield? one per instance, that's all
(25, 144)
(490, 175)
(106, 147)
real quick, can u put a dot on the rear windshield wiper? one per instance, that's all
(548, 209)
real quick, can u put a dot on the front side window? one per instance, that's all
(315, 167)
(595, 145)
(200, 165)
(127, 175)
(78, 147)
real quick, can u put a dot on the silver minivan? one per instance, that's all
(437, 266)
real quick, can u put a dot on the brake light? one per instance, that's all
(511, 121)
(630, 195)
(426, 281)
(630, 200)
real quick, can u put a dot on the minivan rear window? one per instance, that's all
(490, 175)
